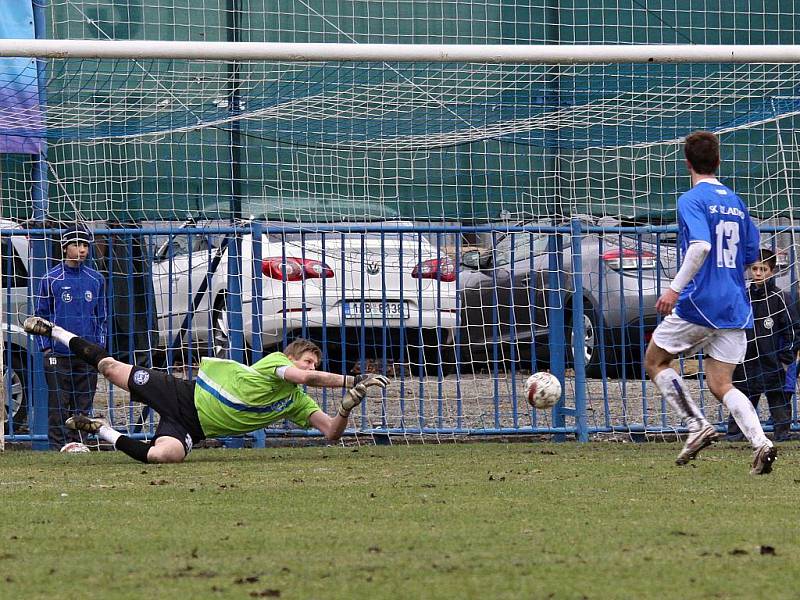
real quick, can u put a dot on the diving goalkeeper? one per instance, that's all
(227, 398)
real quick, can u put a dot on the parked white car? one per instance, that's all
(384, 295)
(360, 295)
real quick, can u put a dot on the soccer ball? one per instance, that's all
(543, 390)
(75, 447)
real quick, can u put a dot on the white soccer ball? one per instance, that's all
(75, 447)
(543, 390)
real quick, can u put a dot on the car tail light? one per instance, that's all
(443, 269)
(296, 269)
(625, 259)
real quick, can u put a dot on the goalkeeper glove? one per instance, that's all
(359, 385)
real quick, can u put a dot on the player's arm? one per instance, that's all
(694, 258)
(313, 378)
(752, 249)
(331, 427)
(331, 380)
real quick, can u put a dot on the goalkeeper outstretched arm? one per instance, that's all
(357, 389)
(305, 356)
(319, 379)
(324, 379)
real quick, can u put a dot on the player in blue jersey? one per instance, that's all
(706, 306)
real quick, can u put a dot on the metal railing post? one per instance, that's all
(578, 333)
(555, 318)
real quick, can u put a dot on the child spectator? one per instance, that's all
(72, 295)
(771, 347)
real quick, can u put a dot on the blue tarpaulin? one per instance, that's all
(20, 114)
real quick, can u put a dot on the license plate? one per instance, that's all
(375, 310)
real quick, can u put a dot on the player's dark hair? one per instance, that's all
(702, 151)
(300, 346)
(768, 256)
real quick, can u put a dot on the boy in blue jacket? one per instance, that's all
(772, 345)
(72, 295)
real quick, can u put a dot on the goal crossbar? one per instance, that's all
(320, 52)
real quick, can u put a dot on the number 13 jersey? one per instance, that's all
(717, 296)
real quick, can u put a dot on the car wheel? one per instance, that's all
(17, 395)
(221, 334)
(220, 331)
(590, 345)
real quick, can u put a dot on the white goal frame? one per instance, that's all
(332, 52)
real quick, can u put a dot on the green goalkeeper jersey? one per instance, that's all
(232, 398)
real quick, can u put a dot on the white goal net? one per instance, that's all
(408, 206)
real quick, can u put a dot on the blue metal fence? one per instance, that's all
(575, 299)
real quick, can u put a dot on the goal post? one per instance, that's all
(370, 52)
(489, 148)
(3, 378)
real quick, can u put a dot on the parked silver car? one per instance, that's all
(14, 302)
(505, 297)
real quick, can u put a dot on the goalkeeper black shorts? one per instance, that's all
(173, 400)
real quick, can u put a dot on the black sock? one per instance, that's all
(133, 448)
(87, 351)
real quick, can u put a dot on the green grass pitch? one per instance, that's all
(457, 520)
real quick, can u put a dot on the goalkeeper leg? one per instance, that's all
(102, 429)
(113, 370)
(165, 448)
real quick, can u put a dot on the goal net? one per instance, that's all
(397, 167)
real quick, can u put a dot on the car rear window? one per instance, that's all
(15, 273)
(407, 238)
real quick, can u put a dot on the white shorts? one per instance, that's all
(677, 336)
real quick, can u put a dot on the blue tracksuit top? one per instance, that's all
(73, 298)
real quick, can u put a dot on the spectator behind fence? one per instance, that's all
(771, 347)
(72, 294)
